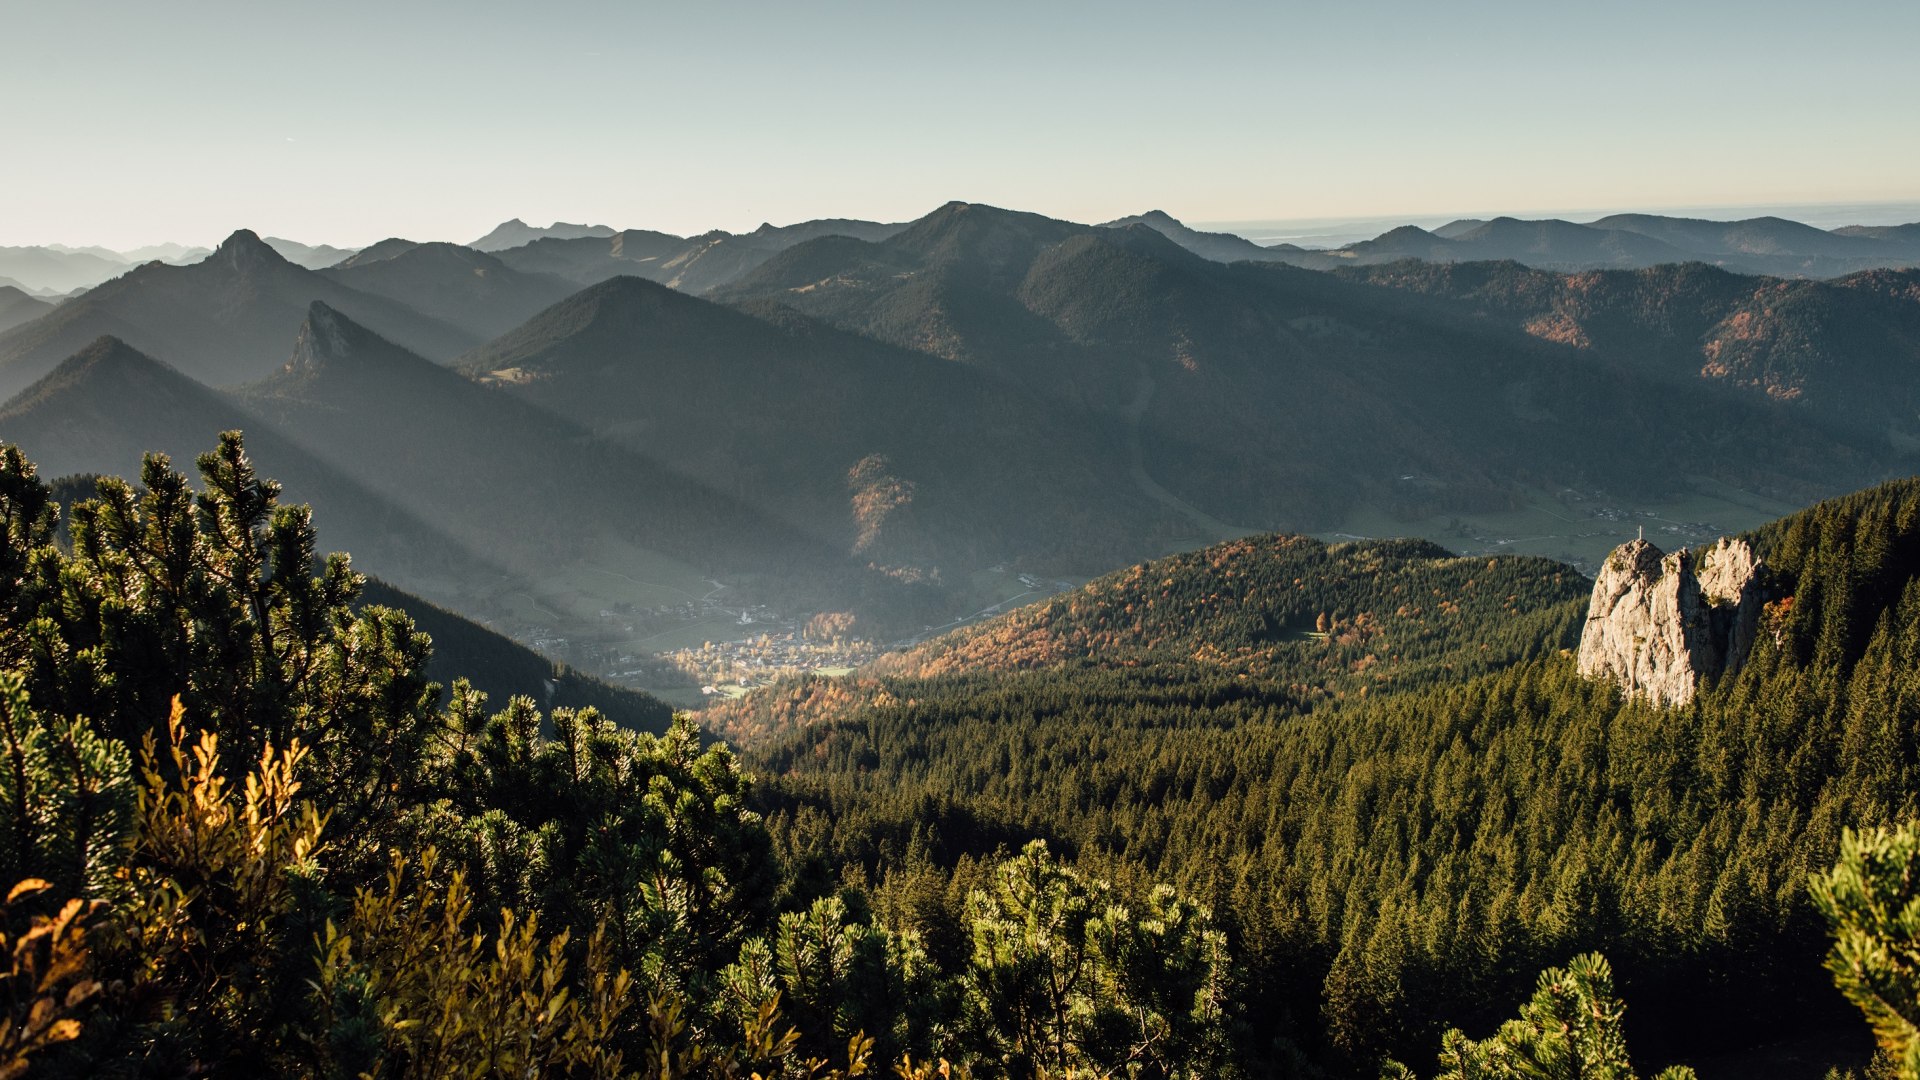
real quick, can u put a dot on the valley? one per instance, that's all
(914, 427)
(844, 575)
(990, 541)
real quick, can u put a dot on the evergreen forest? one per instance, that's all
(1276, 808)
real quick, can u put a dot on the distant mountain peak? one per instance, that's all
(107, 365)
(624, 285)
(389, 248)
(625, 295)
(327, 338)
(956, 225)
(107, 353)
(244, 250)
(514, 233)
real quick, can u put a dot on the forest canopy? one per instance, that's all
(243, 833)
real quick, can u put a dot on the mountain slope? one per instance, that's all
(589, 260)
(716, 259)
(1411, 847)
(1549, 243)
(1562, 242)
(890, 454)
(17, 307)
(1272, 397)
(1311, 622)
(1220, 247)
(99, 411)
(1845, 351)
(57, 271)
(533, 491)
(696, 264)
(224, 320)
(167, 253)
(310, 256)
(1908, 236)
(456, 285)
(384, 249)
(514, 233)
(1771, 245)
(503, 668)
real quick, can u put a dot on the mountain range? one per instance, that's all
(456, 285)
(695, 264)
(1840, 350)
(896, 420)
(516, 233)
(224, 320)
(531, 488)
(884, 451)
(1766, 245)
(311, 256)
(1267, 395)
(46, 271)
(99, 411)
(18, 306)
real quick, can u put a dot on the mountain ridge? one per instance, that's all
(224, 320)
(514, 233)
(1769, 246)
(19, 306)
(102, 408)
(457, 285)
(1324, 392)
(639, 363)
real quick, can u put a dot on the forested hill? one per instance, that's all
(1308, 620)
(1277, 398)
(1839, 350)
(1161, 857)
(1390, 865)
(502, 668)
(1281, 605)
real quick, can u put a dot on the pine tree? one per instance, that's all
(1570, 1030)
(1871, 899)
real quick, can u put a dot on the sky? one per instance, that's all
(346, 122)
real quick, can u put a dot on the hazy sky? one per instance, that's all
(347, 121)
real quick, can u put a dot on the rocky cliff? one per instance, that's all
(1659, 624)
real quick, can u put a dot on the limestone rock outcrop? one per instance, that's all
(1659, 624)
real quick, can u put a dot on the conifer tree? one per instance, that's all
(1570, 1030)
(1871, 899)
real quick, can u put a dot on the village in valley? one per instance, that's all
(695, 640)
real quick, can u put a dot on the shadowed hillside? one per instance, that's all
(890, 454)
(224, 320)
(1769, 245)
(456, 285)
(108, 405)
(17, 307)
(1843, 351)
(1267, 396)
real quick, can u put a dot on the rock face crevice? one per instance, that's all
(1659, 624)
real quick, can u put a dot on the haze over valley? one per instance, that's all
(1220, 541)
(902, 426)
